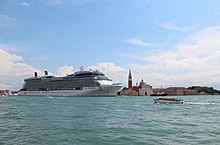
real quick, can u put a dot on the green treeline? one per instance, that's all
(208, 90)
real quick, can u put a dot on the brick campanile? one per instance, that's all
(129, 80)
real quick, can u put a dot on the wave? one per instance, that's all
(48, 97)
(200, 103)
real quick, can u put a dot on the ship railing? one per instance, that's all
(117, 84)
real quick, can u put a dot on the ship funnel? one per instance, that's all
(46, 73)
(35, 74)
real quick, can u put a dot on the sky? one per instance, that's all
(165, 42)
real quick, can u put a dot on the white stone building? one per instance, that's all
(145, 89)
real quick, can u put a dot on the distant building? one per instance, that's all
(173, 91)
(159, 91)
(177, 91)
(191, 92)
(5, 92)
(128, 92)
(142, 89)
(145, 89)
(8, 92)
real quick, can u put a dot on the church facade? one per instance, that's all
(143, 89)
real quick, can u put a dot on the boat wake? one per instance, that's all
(48, 97)
(199, 103)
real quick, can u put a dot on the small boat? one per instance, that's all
(168, 100)
(159, 94)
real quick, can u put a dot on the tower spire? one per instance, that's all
(129, 79)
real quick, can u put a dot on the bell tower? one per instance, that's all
(129, 80)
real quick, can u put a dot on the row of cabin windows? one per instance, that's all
(50, 89)
(60, 85)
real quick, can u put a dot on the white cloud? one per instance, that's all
(107, 67)
(25, 4)
(64, 70)
(194, 61)
(13, 49)
(6, 21)
(116, 73)
(194, 51)
(140, 57)
(139, 42)
(173, 26)
(13, 72)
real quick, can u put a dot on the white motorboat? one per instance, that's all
(168, 100)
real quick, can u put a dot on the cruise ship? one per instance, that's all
(81, 83)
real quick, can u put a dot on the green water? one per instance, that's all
(112, 120)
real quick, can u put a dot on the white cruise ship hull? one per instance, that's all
(87, 91)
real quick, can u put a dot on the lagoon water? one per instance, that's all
(111, 120)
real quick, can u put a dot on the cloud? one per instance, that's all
(25, 4)
(139, 57)
(139, 42)
(116, 73)
(6, 21)
(194, 51)
(107, 67)
(173, 26)
(12, 49)
(64, 70)
(13, 71)
(193, 61)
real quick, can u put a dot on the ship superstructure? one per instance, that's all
(81, 83)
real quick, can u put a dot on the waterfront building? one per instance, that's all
(178, 91)
(173, 91)
(5, 92)
(190, 92)
(159, 90)
(145, 89)
(128, 92)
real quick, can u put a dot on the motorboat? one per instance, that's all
(168, 100)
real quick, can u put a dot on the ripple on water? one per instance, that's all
(116, 120)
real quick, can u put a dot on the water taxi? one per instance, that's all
(168, 100)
